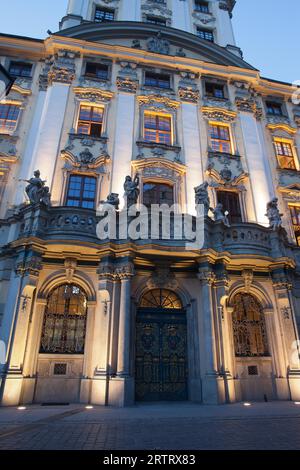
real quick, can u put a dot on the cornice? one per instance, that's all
(139, 30)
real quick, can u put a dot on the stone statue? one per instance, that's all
(132, 192)
(36, 190)
(202, 197)
(220, 216)
(273, 214)
(113, 200)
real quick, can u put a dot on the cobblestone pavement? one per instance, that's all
(152, 427)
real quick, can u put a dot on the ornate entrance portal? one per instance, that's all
(161, 348)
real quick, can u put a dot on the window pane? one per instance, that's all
(85, 113)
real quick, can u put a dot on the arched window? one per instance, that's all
(161, 299)
(65, 321)
(249, 328)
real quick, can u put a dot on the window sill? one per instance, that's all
(172, 148)
(74, 136)
(212, 154)
(289, 170)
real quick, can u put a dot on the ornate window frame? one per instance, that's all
(105, 4)
(92, 97)
(158, 104)
(162, 171)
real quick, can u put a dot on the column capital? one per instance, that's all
(62, 69)
(207, 277)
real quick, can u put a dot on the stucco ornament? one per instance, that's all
(202, 197)
(158, 44)
(220, 216)
(132, 191)
(274, 215)
(36, 190)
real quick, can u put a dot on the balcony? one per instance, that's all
(76, 225)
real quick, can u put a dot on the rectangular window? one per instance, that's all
(99, 71)
(158, 128)
(103, 15)
(274, 108)
(81, 191)
(231, 203)
(157, 80)
(214, 90)
(201, 6)
(9, 114)
(90, 121)
(220, 138)
(295, 216)
(285, 155)
(156, 20)
(205, 34)
(20, 69)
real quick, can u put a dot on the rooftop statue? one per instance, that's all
(132, 191)
(36, 190)
(273, 214)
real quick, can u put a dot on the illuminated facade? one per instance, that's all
(157, 88)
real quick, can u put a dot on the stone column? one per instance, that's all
(60, 77)
(181, 15)
(131, 10)
(192, 151)
(213, 390)
(290, 338)
(257, 161)
(32, 351)
(16, 327)
(124, 133)
(27, 165)
(224, 324)
(122, 386)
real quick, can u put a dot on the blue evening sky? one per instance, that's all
(264, 29)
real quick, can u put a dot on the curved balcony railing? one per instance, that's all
(77, 224)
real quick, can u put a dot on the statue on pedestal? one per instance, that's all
(36, 190)
(274, 215)
(132, 191)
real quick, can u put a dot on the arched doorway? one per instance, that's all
(161, 348)
(62, 346)
(252, 356)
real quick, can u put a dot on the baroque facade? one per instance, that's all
(158, 89)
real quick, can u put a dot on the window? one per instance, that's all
(220, 138)
(157, 80)
(90, 121)
(274, 108)
(231, 203)
(155, 193)
(158, 128)
(285, 155)
(9, 114)
(103, 15)
(20, 69)
(99, 71)
(81, 191)
(201, 6)
(214, 90)
(295, 215)
(249, 328)
(64, 323)
(205, 34)
(155, 20)
(161, 299)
